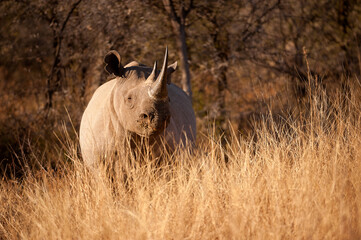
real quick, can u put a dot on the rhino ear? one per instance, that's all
(113, 65)
(171, 68)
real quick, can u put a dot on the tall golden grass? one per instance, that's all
(295, 179)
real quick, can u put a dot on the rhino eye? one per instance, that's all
(129, 97)
(129, 101)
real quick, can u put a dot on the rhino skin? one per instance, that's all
(140, 103)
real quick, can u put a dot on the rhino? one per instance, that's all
(140, 103)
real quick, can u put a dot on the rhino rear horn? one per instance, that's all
(113, 65)
(158, 90)
(152, 76)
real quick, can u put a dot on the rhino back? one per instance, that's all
(182, 127)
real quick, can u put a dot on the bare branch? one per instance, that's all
(169, 7)
(58, 39)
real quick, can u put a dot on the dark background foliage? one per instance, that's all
(239, 59)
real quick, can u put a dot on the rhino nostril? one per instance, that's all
(151, 116)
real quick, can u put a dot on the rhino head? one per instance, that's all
(141, 100)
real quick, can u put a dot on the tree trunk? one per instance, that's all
(178, 24)
(220, 41)
(179, 30)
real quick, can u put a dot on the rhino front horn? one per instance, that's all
(158, 89)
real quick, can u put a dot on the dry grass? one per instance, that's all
(295, 180)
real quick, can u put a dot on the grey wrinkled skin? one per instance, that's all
(140, 103)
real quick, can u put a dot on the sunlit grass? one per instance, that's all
(299, 179)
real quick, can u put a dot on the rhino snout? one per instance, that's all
(154, 118)
(153, 122)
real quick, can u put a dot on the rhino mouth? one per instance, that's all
(149, 129)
